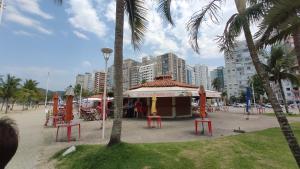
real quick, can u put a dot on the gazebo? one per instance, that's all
(173, 98)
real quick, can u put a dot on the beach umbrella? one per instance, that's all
(153, 106)
(55, 104)
(202, 95)
(69, 104)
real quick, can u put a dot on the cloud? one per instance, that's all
(84, 17)
(32, 6)
(13, 15)
(81, 35)
(23, 33)
(86, 63)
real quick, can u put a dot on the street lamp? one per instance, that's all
(106, 53)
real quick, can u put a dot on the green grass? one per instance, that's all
(263, 149)
(287, 115)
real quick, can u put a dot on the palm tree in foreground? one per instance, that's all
(238, 22)
(279, 68)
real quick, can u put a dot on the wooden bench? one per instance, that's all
(203, 120)
(157, 118)
(69, 129)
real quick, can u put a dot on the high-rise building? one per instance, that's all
(218, 73)
(190, 75)
(201, 76)
(110, 78)
(130, 73)
(147, 72)
(99, 78)
(79, 79)
(169, 64)
(239, 69)
(85, 80)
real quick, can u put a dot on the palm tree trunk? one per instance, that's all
(2, 104)
(282, 120)
(13, 104)
(296, 39)
(283, 97)
(115, 137)
(7, 105)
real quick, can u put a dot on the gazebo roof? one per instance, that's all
(164, 81)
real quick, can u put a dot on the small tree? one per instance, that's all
(217, 84)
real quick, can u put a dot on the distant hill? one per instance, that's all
(50, 92)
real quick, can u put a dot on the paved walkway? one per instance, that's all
(37, 144)
(31, 140)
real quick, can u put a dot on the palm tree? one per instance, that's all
(280, 21)
(9, 88)
(236, 23)
(279, 68)
(31, 86)
(217, 84)
(224, 97)
(257, 86)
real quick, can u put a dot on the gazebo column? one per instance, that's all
(173, 107)
(148, 106)
(191, 110)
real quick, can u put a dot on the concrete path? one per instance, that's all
(31, 141)
(37, 144)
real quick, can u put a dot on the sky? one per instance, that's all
(40, 36)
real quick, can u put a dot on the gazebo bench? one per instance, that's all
(203, 120)
(157, 118)
(69, 129)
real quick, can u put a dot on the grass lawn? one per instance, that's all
(262, 149)
(287, 115)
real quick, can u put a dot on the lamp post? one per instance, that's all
(106, 53)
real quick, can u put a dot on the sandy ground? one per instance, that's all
(37, 143)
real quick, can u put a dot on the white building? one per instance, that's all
(147, 72)
(201, 76)
(239, 69)
(85, 80)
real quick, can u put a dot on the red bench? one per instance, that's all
(157, 118)
(203, 120)
(69, 129)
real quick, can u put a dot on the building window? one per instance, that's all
(289, 94)
(248, 68)
(288, 89)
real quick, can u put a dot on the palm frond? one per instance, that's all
(209, 11)
(137, 21)
(279, 13)
(164, 8)
(255, 12)
(232, 30)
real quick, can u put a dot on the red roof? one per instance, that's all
(164, 81)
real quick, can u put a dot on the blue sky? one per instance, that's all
(39, 36)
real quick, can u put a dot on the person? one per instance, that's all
(137, 107)
(202, 101)
(9, 139)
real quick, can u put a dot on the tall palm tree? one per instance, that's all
(9, 88)
(279, 67)
(280, 21)
(236, 23)
(31, 86)
(217, 84)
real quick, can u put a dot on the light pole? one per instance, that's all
(47, 90)
(106, 53)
